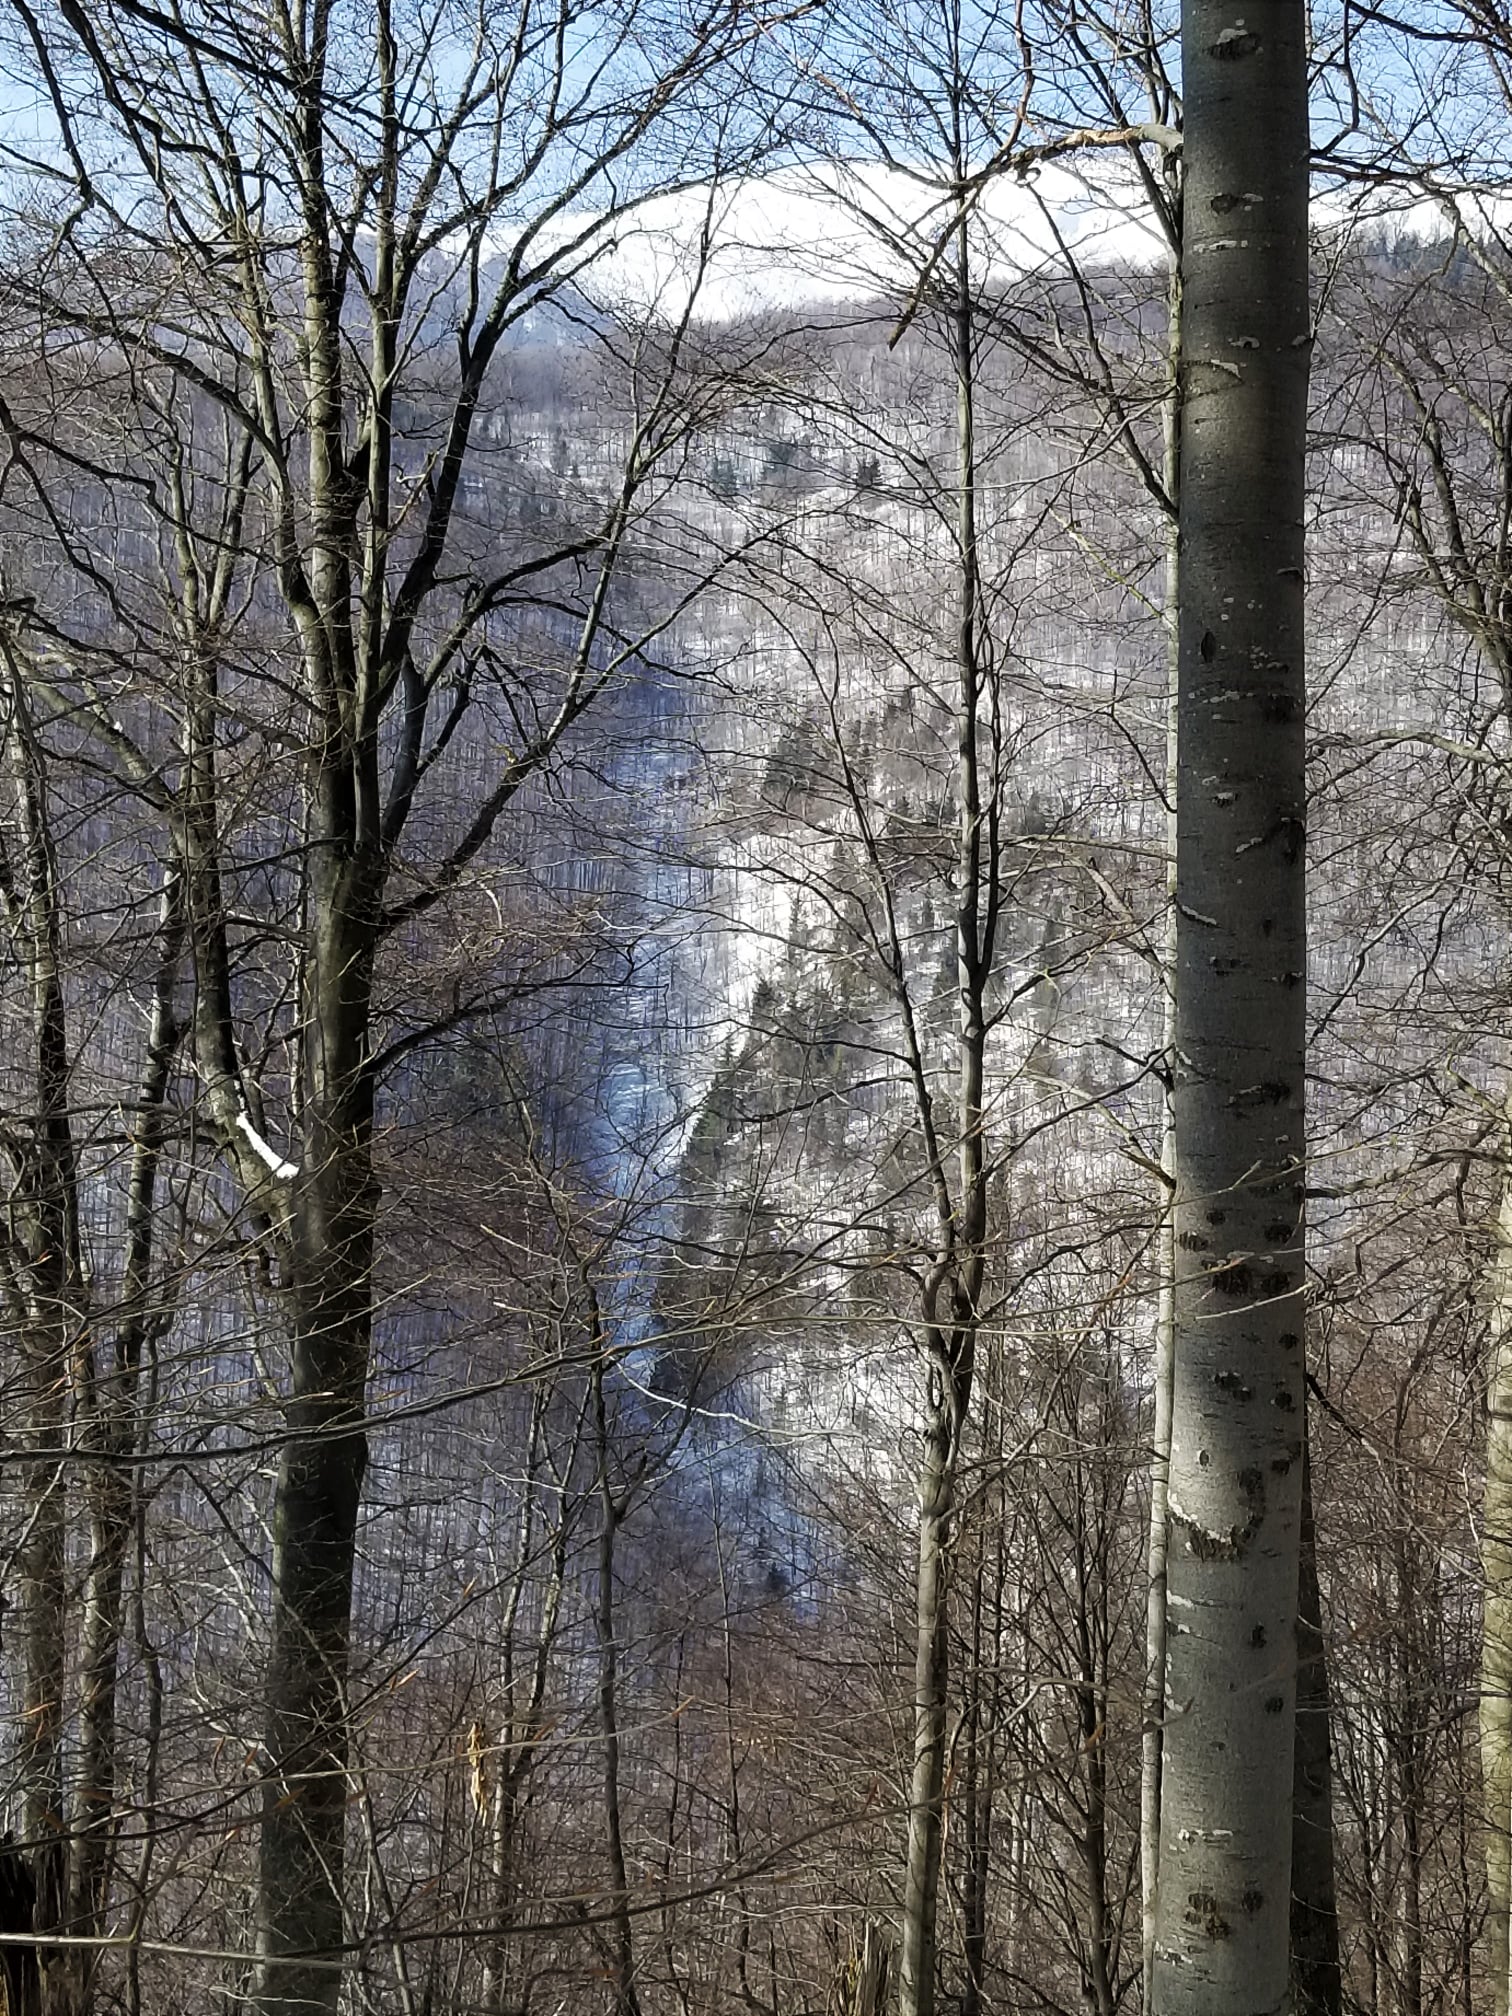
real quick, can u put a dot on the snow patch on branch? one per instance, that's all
(265, 1152)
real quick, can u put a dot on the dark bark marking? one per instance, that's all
(1233, 45)
(1279, 1231)
(1234, 1279)
(1210, 1546)
(1202, 1909)
(1284, 1400)
(1208, 647)
(1257, 1637)
(1251, 1097)
(1275, 1704)
(1193, 1242)
(1233, 1545)
(1234, 1386)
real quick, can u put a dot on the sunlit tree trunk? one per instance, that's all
(1496, 1628)
(1223, 1909)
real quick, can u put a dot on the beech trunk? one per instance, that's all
(1223, 1908)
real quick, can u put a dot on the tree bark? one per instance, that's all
(301, 1892)
(931, 1673)
(1314, 1906)
(1496, 1621)
(1092, 1635)
(951, 1301)
(110, 1430)
(46, 1282)
(611, 1513)
(979, 1729)
(1159, 1541)
(1222, 1918)
(521, 1723)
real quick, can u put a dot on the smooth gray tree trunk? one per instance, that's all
(1223, 1908)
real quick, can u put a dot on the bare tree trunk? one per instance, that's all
(109, 1432)
(152, 1674)
(734, 1820)
(1314, 1907)
(931, 1673)
(953, 1287)
(46, 1284)
(318, 1220)
(42, 1579)
(1496, 1625)
(1223, 1908)
(20, 1980)
(980, 1740)
(1165, 1308)
(520, 1729)
(611, 1512)
(334, 1195)
(301, 1892)
(1091, 1595)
